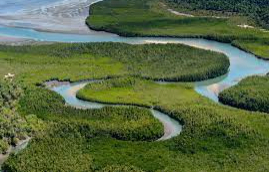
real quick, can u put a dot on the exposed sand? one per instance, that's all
(64, 17)
(55, 83)
(179, 14)
(190, 15)
(217, 88)
(10, 39)
(245, 26)
(14, 41)
(5, 40)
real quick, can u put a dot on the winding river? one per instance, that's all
(68, 91)
(243, 64)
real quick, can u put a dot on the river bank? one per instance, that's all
(69, 91)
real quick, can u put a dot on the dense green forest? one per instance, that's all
(214, 137)
(132, 122)
(65, 138)
(152, 18)
(256, 9)
(251, 93)
(123, 138)
(97, 140)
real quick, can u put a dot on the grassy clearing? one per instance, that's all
(151, 18)
(132, 90)
(251, 93)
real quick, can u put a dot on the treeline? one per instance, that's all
(256, 9)
(251, 93)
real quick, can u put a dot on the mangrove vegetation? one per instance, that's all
(152, 18)
(257, 10)
(124, 138)
(169, 62)
(251, 93)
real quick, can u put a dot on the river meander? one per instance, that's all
(242, 64)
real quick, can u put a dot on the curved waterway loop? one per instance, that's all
(68, 91)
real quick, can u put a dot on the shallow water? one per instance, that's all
(68, 91)
(47, 15)
(16, 6)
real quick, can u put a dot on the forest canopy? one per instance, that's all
(256, 9)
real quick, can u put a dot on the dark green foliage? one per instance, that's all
(209, 129)
(52, 154)
(257, 9)
(110, 138)
(125, 123)
(251, 94)
(63, 144)
(152, 18)
(169, 62)
(221, 129)
(214, 137)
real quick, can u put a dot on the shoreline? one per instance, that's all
(59, 16)
(58, 83)
(101, 31)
